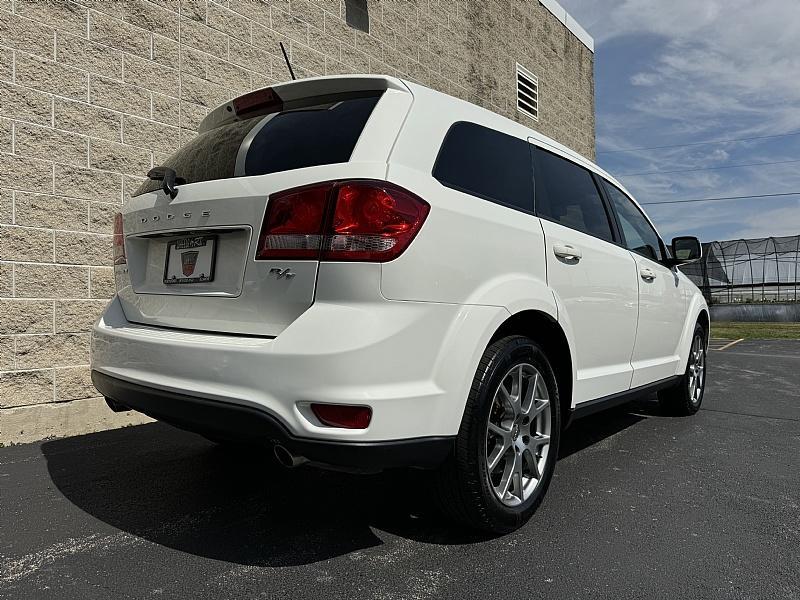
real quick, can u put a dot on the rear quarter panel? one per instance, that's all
(469, 251)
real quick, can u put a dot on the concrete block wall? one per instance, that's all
(95, 92)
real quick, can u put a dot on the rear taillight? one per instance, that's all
(372, 221)
(293, 224)
(362, 220)
(343, 415)
(119, 241)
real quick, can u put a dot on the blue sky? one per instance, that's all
(687, 71)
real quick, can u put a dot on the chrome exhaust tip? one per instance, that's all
(287, 459)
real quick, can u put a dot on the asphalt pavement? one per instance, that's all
(642, 505)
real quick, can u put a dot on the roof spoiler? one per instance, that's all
(292, 94)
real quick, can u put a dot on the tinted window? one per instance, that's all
(567, 194)
(308, 137)
(321, 134)
(640, 237)
(488, 164)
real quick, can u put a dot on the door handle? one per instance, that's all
(567, 252)
(647, 274)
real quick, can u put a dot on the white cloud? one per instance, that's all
(719, 155)
(733, 58)
(645, 79)
(698, 70)
(776, 222)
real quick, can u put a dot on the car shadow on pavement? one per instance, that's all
(177, 490)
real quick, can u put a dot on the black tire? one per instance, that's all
(463, 487)
(678, 400)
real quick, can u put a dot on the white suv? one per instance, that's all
(364, 273)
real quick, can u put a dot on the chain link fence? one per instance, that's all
(764, 270)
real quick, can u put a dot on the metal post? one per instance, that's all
(752, 277)
(796, 262)
(732, 280)
(777, 269)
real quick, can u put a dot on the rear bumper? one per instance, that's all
(411, 362)
(247, 424)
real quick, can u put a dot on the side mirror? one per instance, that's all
(686, 249)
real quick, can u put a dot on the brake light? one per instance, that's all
(343, 415)
(265, 101)
(373, 221)
(362, 220)
(293, 224)
(119, 241)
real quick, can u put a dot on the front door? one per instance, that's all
(662, 305)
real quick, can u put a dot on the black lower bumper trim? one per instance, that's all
(243, 423)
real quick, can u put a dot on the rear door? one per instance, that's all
(593, 278)
(191, 259)
(662, 303)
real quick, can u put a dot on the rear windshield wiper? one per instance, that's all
(169, 179)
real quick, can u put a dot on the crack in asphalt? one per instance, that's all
(744, 414)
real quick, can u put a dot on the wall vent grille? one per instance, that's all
(527, 92)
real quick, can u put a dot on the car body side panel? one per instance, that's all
(598, 297)
(472, 251)
(468, 250)
(696, 304)
(662, 313)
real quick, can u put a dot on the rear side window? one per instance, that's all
(314, 135)
(566, 193)
(483, 162)
(640, 237)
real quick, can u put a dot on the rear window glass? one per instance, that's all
(321, 134)
(483, 162)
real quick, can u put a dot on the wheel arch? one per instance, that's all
(546, 331)
(697, 313)
(705, 321)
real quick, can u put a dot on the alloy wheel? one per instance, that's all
(697, 367)
(518, 434)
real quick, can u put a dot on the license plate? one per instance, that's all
(190, 260)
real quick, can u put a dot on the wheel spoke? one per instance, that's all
(505, 396)
(539, 439)
(540, 407)
(518, 488)
(508, 474)
(516, 398)
(529, 402)
(497, 453)
(533, 464)
(497, 430)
